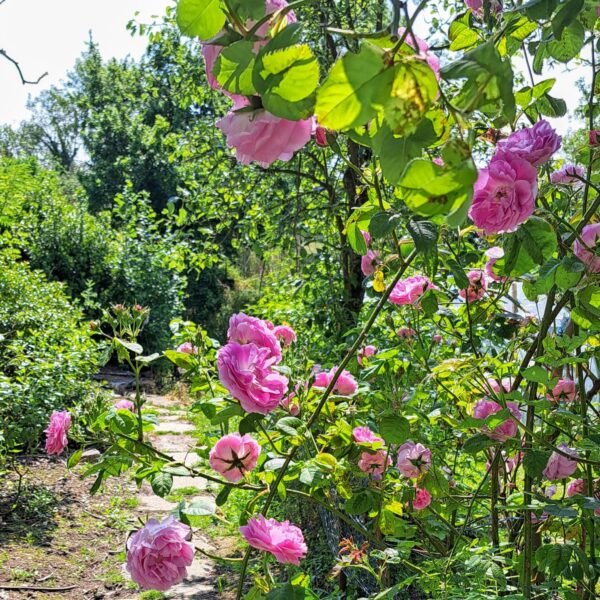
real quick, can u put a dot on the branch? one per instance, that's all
(17, 66)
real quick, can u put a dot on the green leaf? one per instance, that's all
(121, 421)
(74, 458)
(162, 482)
(233, 410)
(291, 592)
(355, 238)
(233, 68)
(394, 429)
(424, 234)
(382, 224)
(200, 507)
(537, 374)
(131, 346)
(249, 423)
(360, 502)
(569, 44)
(200, 18)
(534, 462)
(565, 16)
(355, 90)
(223, 495)
(288, 425)
(477, 443)
(461, 35)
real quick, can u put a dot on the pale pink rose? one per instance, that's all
(244, 329)
(369, 262)
(422, 499)
(413, 459)
(321, 136)
(559, 466)
(507, 429)
(374, 463)
(504, 194)
(534, 144)
(565, 390)
(406, 333)
(367, 237)
(246, 372)
(283, 540)
(365, 352)
(363, 435)
(422, 51)
(211, 52)
(187, 348)
(345, 385)
(550, 491)
(477, 286)
(587, 251)
(576, 487)
(499, 387)
(56, 433)
(493, 255)
(234, 455)
(410, 290)
(285, 334)
(159, 553)
(477, 7)
(258, 136)
(566, 175)
(437, 338)
(291, 403)
(125, 405)
(594, 137)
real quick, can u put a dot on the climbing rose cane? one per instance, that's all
(559, 466)
(413, 459)
(56, 434)
(590, 236)
(234, 455)
(159, 553)
(283, 540)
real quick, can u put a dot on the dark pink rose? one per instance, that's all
(321, 136)
(234, 455)
(477, 7)
(56, 433)
(246, 372)
(283, 540)
(534, 144)
(559, 466)
(258, 136)
(575, 488)
(285, 334)
(345, 385)
(406, 333)
(477, 286)
(244, 329)
(594, 138)
(374, 463)
(410, 290)
(504, 194)
(159, 553)
(413, 459)
(507, 429)
(422, 499)
(588, 248)
(565, 390)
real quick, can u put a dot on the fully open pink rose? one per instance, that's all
(559, 466)
(244, 329)
(363, 435)
(576, 487)
(234, 455)
(567, 175)
(374, 463)
(477, 286)
(258, 136)
(564, 390)
(507, 429)
(56, 433)
(534, 144)
(369, 262)
(422, 499)
(285, 334)
(283, 540)
(422, 49)
(345, 385)
(125, 404)
(587, 250)
(504, 194)
(409, 290)
(493, 255)
(365, 352)
(246, 372)
(413, 459)
(159, 553)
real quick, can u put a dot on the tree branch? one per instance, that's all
(18, 67)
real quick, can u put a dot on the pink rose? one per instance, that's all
(504, 194)
(409, 290)
(125, 405)
(159, 553)
(493, 255)
(422, 51)
(499, 387)
(437, 338)
(246, 372)
(285, 334)
(422, 499)
(187, 348)
(374, 463)
(413, 459)
(369, 262)
(234, 455)
(559, 466)
(477, 7)
(345, 385)
(507, 429)
(565, 390)
(291, 403)
(594, 138)
(258, 136)
(250, 330)
(477, 286)
(56, 434)
(550, 491)
(534, 144)
(211, 52)
(566, 175)
(363, 435)
(365, 352)
(367, 237)
(586, 249)
(283, 540)
(576, 487)
(321, 136)
(406, 333)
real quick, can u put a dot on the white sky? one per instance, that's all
(48, 35)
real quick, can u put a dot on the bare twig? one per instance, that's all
(18, 67)
(37, 588)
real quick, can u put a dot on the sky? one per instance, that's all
(49, 35)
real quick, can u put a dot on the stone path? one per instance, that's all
(172, 436)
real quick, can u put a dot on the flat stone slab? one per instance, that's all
(180, 482)
(170, 443)
(154, 504)
(164, 402)
(174, 426)
(189, 459)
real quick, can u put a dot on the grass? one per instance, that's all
(152, 595)
(184, 492)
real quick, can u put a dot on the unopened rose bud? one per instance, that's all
(321, 137)
(93, 325)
